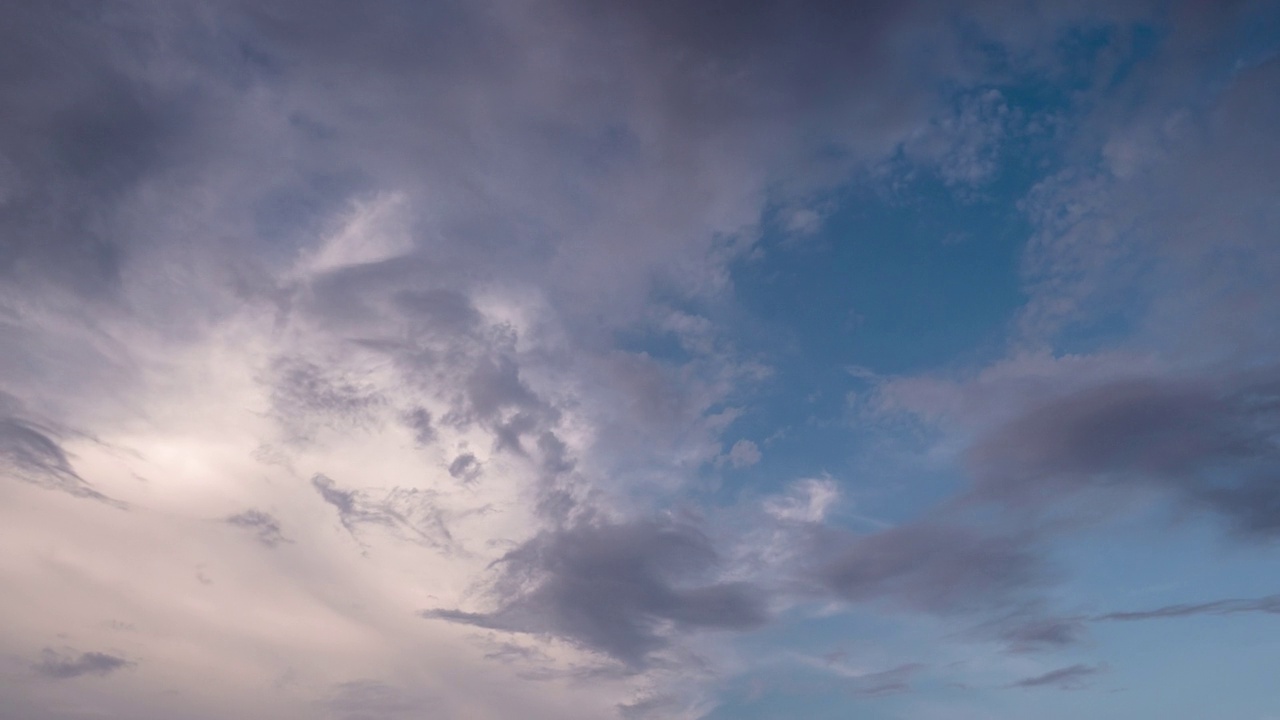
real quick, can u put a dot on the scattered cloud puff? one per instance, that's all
(809, 501)
(263, 525)
(744, 453)
(69, 665)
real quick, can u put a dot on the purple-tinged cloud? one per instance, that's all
(67, 666)
(1073, 677)
(613, 588)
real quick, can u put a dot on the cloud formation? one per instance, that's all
(263, 525)
(619, 589)
(1072, 677)
(1211, 446)
(1269, 605)
(933, 568)
(66, 666)
(450, 306)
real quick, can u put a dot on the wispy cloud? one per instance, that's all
(1073, 677)
(1268, 605)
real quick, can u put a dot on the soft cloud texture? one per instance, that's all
(395, 359)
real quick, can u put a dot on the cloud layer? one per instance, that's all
(388, 359)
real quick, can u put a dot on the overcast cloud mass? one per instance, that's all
(691, 360)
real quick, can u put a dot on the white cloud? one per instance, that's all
(744, 453)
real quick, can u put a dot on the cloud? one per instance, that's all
(1073, 677)
(465, 467)
(29, 452)
(1035, 629)
(618, 589)
(807, 501)
(263, 525)
(412, 512)
(931, 568)
(308, 396)
(1269, 605)
(1211, 445)
(419, 420)
(65, 666)
(744, 453)
(247, 241)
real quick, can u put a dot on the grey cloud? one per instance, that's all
(1032, 631)
(1269, 605)
(744, 453)
(613, 588)
(263, 525)
(65, 666)
(555, 454)
(409, 512)
(419, 420)
(1211, 445)
(443, 310)
(29, 452)
(495, 385)
(465, 467)
(306, 397)
(931, 568)
(81, 133)
(1073, 677)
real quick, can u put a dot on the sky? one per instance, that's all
(640, 359)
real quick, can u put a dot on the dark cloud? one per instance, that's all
(495, 386)
(263, 525)
(82, 131)
(465, 467)
(64, 666)
(419, 420)
(618, 589)
(1073, 677)
(29, 452)
(931, 568)
(1269, 605)
(1211, 445)
(409, 512)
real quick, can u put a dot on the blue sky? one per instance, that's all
(643, 360)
